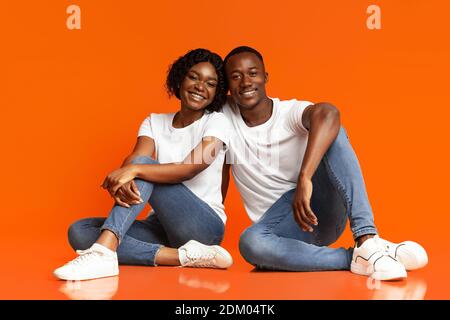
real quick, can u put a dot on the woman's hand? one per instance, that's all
(118, 178)
(128, 194)
(303, 214)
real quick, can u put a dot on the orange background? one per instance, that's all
(73, 100)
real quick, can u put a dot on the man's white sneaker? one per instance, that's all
(372, 259)
(409, 253)
(95, 262)
(198, 255)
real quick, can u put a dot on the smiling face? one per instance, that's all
(198, 88)
(247, 79)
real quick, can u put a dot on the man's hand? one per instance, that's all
(128, 194)
(303, 214)
(118, 178)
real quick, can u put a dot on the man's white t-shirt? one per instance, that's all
(266, 159)
(175, 144)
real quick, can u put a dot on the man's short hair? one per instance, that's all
(242, 49)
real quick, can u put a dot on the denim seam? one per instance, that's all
(365, 231)
(156, 253)
(112, 229)
(130, 211)
(147, 244)
(337, 184)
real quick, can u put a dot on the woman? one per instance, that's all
(183, 184)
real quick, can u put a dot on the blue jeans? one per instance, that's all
(179, 216)
(276, 242)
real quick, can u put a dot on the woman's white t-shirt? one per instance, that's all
(175, 144)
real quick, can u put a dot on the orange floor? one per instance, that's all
(27, 274)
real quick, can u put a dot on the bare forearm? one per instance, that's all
(324, 128)
(166, 173)
(225, 181)
(129, 159)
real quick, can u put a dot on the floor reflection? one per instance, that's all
(201, 282)
(409, 289)
(97, 289)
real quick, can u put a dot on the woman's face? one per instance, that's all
(199, 86)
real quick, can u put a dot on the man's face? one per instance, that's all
(246, 79)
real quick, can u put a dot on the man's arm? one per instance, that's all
(322, 120)
(225, 179)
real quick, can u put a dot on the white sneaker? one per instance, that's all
(372, 259)
(197, 255)
(95, 262)
(409, 253)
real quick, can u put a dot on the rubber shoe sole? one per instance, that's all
(378, 275)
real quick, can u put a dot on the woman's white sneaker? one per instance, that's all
(95, 262)
(372, 259)
(197, 255)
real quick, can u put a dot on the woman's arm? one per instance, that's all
(197, 161)
(145, 146)
(129, 194)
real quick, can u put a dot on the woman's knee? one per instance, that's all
(143, 160)
(79, 235)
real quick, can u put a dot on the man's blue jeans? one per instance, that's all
(179, 216)
(276, 242)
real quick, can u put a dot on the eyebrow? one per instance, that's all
(251, 68)
(209, 78)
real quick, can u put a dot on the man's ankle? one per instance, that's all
(360, 240)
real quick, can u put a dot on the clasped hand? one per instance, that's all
(122, 187)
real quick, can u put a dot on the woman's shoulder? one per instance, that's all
(217, 117)
(160, 116)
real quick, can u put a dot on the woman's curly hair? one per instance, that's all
(178, 70)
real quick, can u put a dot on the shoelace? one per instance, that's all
(382, 244)
(200, 258)
(84, 256)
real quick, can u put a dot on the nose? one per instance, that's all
(199, 86)
(246, 81)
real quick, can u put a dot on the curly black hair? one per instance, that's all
(178, 70)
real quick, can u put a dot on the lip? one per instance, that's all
(196, 96)
(248, 93)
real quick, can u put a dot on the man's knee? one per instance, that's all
(253, 247)
(143, 160)
(342, 137)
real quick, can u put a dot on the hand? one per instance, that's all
(128, 194)
(118, 178)
(303, 214)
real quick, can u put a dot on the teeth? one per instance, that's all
(197, 96)
(248, 93)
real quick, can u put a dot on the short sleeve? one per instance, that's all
(218, 126)
(146, 128)
(294, 119)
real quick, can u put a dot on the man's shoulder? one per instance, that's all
(292, 103)
(229, 109)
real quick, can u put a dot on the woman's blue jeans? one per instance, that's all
(179, 216)
(276, 242)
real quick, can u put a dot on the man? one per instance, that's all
(300, 180)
